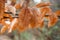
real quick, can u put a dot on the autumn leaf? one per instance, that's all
(28, 17)
(24, 17)
(52, 20)
(35, 20)
(2, 3)
(57, 12)
(5, 26)
(18, 6)
(43, 4)
(12, 27)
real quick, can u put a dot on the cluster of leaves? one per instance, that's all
(30, 17)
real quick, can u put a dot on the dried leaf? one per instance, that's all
(2, 4)
(4, 29)
(52, 20)
(18, 6)
(41, 23)
(51, 16)
(12, 25)
(35, 20)
(13, 2)
(58, 12)
(43, 4)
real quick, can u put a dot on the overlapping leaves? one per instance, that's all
(31, 17)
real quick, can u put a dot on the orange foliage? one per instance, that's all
(35, 19)
(2, 3)
(18, 6)
(58, 12)
(43, 4)
(52, 20)
(13, 2)
(52, 17)
(4, 28)
(31, 17)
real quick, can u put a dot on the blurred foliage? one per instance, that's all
(52, 33)
(46, 34)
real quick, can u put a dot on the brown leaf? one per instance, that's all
(4, 28)
(43, 4)
(52, 20)
(18, 6)
(35, 20)
(24, 17)
(41, 23)
(12, 25)
(2, 4)
(58, 12)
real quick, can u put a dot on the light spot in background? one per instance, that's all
(8, 1)
(37, 1)
(7, 22)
